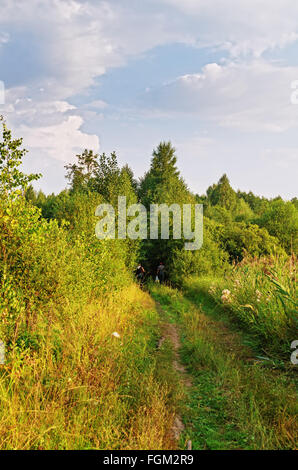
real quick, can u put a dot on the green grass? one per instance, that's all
(260, 298)
(196, 290)
(83, 388)
(235, 402)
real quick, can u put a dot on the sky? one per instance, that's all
(214, 77)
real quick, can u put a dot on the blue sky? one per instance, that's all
(214, 77)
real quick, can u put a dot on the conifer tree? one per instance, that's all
(222, 194)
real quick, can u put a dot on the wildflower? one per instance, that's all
(259, 295)
(116, 334)
(226, 292)
(226, 299)
(226, 296)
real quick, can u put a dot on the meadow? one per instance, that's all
(95, 361)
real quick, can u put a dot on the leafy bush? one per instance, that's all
(281, 221)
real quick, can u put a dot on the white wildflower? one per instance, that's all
(212, 290)
(226, 292)
(116, 334)
(226, 296)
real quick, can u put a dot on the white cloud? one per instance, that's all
(61, 141)
(4, 38)
(73, 42)
(52, 127)
(242, 27)
(97, 104)
(283, 157)
(251, 96)
(79, 40)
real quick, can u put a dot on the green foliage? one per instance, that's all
(49, 263)
(12, 180)
(79, 174)
(44, 265)
(243, 212)
(211, 258)
(219, 214)
(239, 239)
(295, 202)
(281, 221)
(222, 194)
(102, 175)
(235, 224)
(257, 204)
(261, 294)
(162, 184)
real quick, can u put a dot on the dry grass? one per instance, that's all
(84, 388)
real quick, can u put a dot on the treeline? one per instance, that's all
(51, 259)
(51, 263)
(236, 224)
(78, 332)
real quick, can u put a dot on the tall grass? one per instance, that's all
(77, 386)
(68, 382)
(235, 402)
(261, 295)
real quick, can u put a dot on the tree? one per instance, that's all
(30, 195)
(257, 204)
(80, 174)
(12, 180)
(295, 202)
(239, 239)
(242, 211)
(222, 194)
(281, 221)
(107, 175)
(219, 214)
(131, 177)
(162, 184)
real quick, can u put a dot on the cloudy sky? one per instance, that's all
(212, 76)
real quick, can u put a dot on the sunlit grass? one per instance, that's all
(262, 296)
(235, 402)
(84, 388)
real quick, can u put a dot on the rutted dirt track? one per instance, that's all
(170, 333)
(228, 398)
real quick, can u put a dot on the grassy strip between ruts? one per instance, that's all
(235, 402)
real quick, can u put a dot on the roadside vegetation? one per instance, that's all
(236, 401)
(89, 358)
(260, 295)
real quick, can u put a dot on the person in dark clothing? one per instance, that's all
(140, 272)
(161, 272)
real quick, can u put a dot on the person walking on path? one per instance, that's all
(140, 272)
(161, 272)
